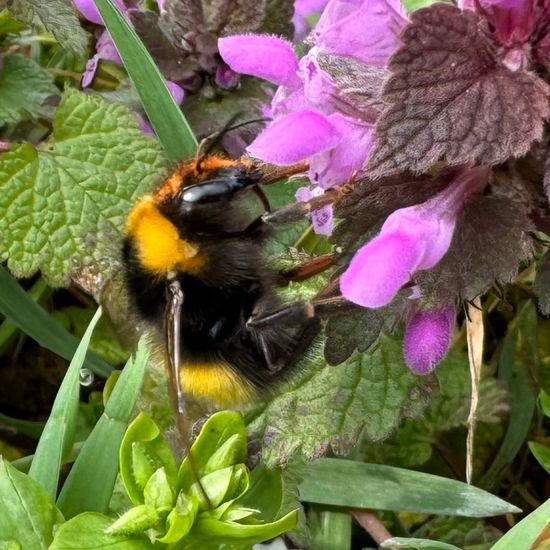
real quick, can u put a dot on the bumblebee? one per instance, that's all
(233, 336)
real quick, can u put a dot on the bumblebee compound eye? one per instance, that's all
(217, 189)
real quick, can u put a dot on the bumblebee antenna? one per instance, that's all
(174, 304)
(209, 142)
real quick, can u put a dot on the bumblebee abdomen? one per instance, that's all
(216, 382)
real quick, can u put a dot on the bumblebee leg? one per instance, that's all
(299, 210)
(308, 269)
(291, 314)
(300, 311)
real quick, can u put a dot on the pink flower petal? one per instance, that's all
(367, 30)
(89, 71)
(289, 99)
(89, 10)
(295, 137)
(318, 86)
(302, 10)
(427, 339)
(106, 49)
(338, 165)
(261, 55)
(379, 269)
(433, 230)
(177, 91)
(322, 218)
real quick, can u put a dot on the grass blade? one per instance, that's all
(518, 358)
(59, 430)
(8, 330)
(417, 544)
(354, 484)
(30, 428)
(26, 314)
(526, 532)
(170, 125)
(90, 483)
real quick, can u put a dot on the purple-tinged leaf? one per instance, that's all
(357, 86)
(491, 240)
(171, 61)
(370, 202)
(237, 16)
(450, 98)
(546, 179)
(350, 332)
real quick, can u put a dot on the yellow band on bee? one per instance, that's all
(216, 382)
(159, 246)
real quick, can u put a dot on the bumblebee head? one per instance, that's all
(195, 205)
(157, 243)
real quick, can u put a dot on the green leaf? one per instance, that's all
(330, 406)
(30, 428)
(9, 25)
(526, 532)
(104, 341)
(143, 452)
(25, 313)
(265, 492)
(544, 400)
(135, 521)
(87, 532)
(216, 485)
(29, 515)
(164, 114)
(223, 531)
(58, 434)
(88, 175)
(180, 519)
(220, 443)
(466, 533)
(339, 482)
(158, 493)
(417, 544)
(329, 529)
(9, 330)
(24, 86)
(59, 17)
(541, 453)
(90, 482)
(447, 409)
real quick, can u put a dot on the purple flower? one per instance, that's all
(105, 49)
(428, 338)
(308, 122)
(321, 219)
(367, 30)
(89, 10)
(302, 10)
(515, 23)
(267, 57)
(411, 239)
